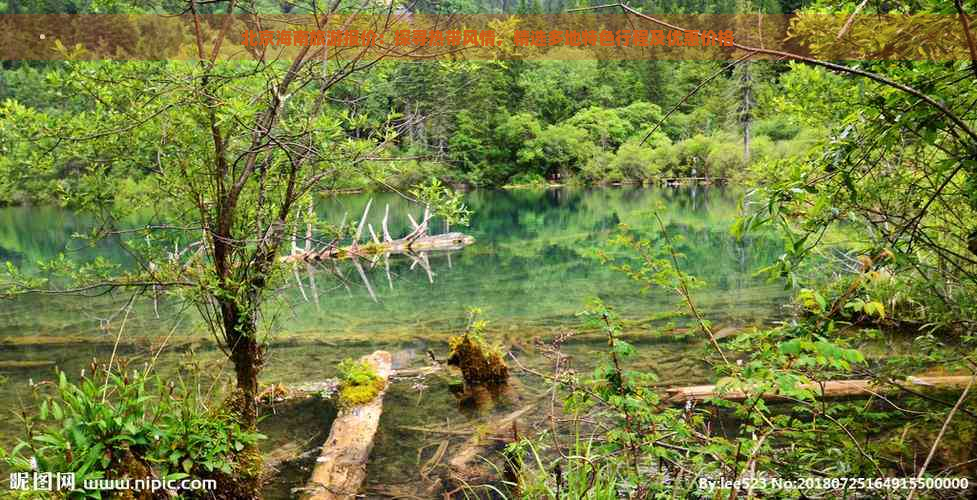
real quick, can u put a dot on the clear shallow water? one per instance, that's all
(530, 271)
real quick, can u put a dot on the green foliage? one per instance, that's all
(446, 203)
(546, 118)
(122, 424)
(779, 127)
(584, 474)
(623, 427)
(358, 383)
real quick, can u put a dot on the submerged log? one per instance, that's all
(465, 464)
(24, 365)
(828, 389)
(341, 468)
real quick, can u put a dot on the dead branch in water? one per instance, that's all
(464, 463)
(415, 242)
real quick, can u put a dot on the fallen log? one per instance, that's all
(418, 240)
(341, 467)
(828, 389)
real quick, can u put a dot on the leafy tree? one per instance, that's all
(234, 152)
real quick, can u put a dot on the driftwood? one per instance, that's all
(417, 241)
(417, 245)
(341, 468)
(829, 389)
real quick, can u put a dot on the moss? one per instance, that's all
(373, 248)
(358, 383)
(353, 395)
(479, 363)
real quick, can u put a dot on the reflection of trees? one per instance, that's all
(532, 258)
(35, 234)
(534, 250)
(339, 269)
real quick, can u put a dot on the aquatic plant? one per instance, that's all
(533, 474)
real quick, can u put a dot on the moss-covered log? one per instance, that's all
(341, 468)
(479, 362)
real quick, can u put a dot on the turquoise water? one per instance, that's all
(532, 263)
(531, 270)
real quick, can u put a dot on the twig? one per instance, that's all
(108, 372)
(851, 20)
(684, 291)
(936, 443)
(970, 37)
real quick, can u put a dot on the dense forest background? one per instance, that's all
(492, 123)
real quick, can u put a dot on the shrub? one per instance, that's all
(599, 170)
(413, 172)
(665, 159)
(635, 162)
(532, 179)
(558, 149)
(641, 114)
(724, 159)
(606, 128)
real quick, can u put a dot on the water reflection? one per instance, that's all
(532, 263)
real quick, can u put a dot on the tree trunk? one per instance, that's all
(247, 354)
(826, 389)
(746, 143)
(746, 111)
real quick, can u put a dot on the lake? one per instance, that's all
(531, 270)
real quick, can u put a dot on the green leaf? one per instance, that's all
(875, 308)
(791, 347)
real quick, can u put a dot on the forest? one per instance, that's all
(533, 271)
